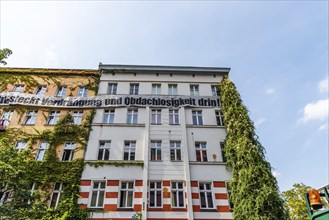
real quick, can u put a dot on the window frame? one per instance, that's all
(156, 190)
(172, 89)
(19, 87)
(30, 117)
(201, 151)
(206, 191)
(129, 191)
(98, 191)
(175, 149)
(156, 116)
(174, 117)
(132, 116)
(77, 117)
(108, 114)
(112, 88)
(214, 90)
(43, 146)
(197, 118)
(68, 146)
(55, 117)
(156, 150)
(130, 148)
(194, 90)
(20, 145)
(177, 189)
(7, 114)
(59, 194)
(156, 89)
(134, 89)
(61, 91)
(41, 90)
(219, 117)
(104, 145)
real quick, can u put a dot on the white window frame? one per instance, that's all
(112, 88)
(43, 146)
(134, 89)
(18, 88)
(174, 116)
(206, 191)
(156, 116)
(127, 191)
(102, 148)
(157, 188)
(175, 146)
(156, 151)
(172, 89)
(108, 116)
(53, 117)
(41, 90)
(70, 147)
(61, 91)
(83, 91)
(77, 117)
(201, 147)
(214, 90)
(20, 145)
(194, 90)
(7, 115)
(130, 149)
(175, 190)
(59, 192)
(156, 89)
(99, 190)
(219, 118)
(30, 117)
(132, 116)
(197, 118)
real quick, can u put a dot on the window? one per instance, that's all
(53, 117)
(172, 89)
(126, 194)
(219, 118)
(206, 196)
(108, 117)
(18, 88)
(156, 116)
(194, 90)
(42, 149)
(68, 151)
(61, 91)
(175, 151)
(214, 90)
(129, 150)
(197, 118)
(7, 114)
(112, 89)
(134, 89)
(104, 150)
(156, 89)
(222, 149)
(30, 117)
(132, 116)
(177, 194)
(41, 90)
(77, 117)
(201, 151)
(56, 194)
(97, 194)
(82, 92)
(155, 150)
(174, 117)
(20, 145)
(155, 194)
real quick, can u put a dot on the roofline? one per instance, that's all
(163, 69)
(47, 71)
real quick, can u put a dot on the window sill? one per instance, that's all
(118, 125)
(207, 163)
(125, 209)
(174, 124)
(156, 123)
(208, 210)
(203, 126)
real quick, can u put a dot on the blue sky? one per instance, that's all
(277, 52)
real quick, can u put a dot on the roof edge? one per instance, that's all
(50, 71)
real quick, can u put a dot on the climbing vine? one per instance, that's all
(253, 189)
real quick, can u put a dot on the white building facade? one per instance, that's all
(155, 150)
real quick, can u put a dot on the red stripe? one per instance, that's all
(139, 183)
(221, 196)
(196, 208)
(84, 194)
(223, 208)
(166, 183)
(111, 195)
(85, 182)
(219, 184)
(194, 183)
(138, 195)
(113, 183)
(138, 207)
(83, 206)
(195, 196)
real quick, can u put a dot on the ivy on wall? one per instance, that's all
(253, 189)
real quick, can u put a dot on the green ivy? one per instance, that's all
(253, 189)
(115, 163)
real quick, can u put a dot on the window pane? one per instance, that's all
(100, 198)
(209, 199)
(203, 200)
(152, 198)
(181, 198)
(107, 154)
(100, 154)
(93, 199)
(159, 199)
(130, 199)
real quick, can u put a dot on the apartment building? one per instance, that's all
(156, 146)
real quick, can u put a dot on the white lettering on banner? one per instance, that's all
(14, 98)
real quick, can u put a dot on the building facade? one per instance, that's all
(156, 146)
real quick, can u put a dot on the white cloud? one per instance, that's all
(324, 85)
(323, 127)
(276, 173)
(259, 121)
(270, 91)
(315, 111)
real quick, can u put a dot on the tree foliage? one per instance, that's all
(4, 54)
(253, 189)
(295, 202)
